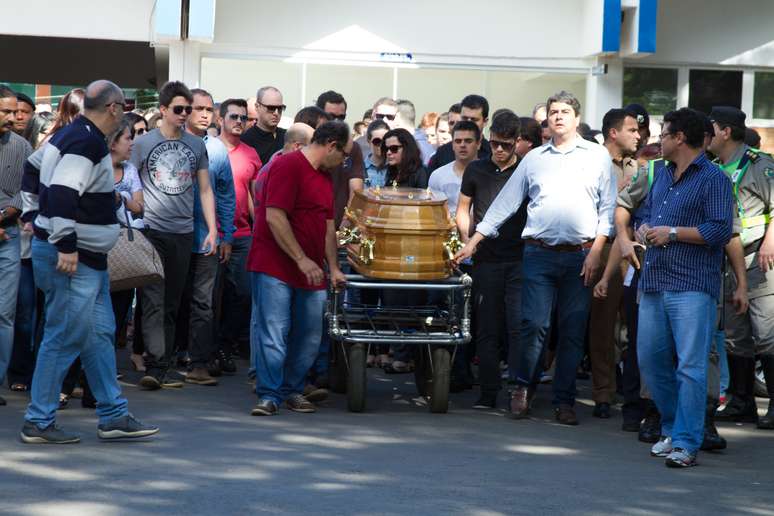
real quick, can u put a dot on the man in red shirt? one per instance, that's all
(293, 235)
(245, 165)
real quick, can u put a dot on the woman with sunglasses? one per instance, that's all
(375, 165)
(138, 124)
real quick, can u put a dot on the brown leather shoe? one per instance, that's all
(519, 403)
(565, 415)
(200, 376)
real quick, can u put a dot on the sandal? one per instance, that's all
(19, 387)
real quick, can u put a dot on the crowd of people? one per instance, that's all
(571, 234)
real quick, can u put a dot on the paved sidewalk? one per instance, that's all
(212, 457)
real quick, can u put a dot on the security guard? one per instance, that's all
(751, 334)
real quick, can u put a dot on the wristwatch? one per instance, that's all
(673, 234)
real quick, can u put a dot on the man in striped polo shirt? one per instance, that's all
(74, 230)
(13, 151)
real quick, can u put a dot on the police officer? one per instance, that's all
(751, 334)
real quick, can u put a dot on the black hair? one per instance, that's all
(689, 122)
(614, 119)
(375, 126)
(737, 133)
(173, 89)
(39, 123)
(530, 130)
(475, 102)
(567, 98)
(6, 92)
(455, 108)
(330, 97)
(231, 102)
(369, 113)
(752, 138)
(467, 125)
(505, 124)
(310, 115)
(21, 97)
(544, 124)
(133, 119)
(332, 131)
(411, 160)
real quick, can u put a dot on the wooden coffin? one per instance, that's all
(400, 234)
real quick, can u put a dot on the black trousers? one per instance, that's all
(633, 408)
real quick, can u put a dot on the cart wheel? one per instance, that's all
(439, 398)
(356, 380)
(337, 371)
(423, 376)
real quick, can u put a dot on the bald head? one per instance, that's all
(100, 94)
(298, 135)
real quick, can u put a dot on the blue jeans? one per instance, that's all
(673, 339)
(23, 357)
(10, 269)
(285, 335)
(550, 276)
(720, 348)
(79, 321)
(235, 314)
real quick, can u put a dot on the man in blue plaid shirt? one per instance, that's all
(687, 219)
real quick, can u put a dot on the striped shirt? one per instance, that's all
(701, 198)
(70, 181)
(13, 151)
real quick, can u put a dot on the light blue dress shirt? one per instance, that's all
(222, 184)
(572, 194)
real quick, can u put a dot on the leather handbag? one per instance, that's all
(133, 262)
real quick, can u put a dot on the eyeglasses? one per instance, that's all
(466, 141)
(382, 116)
(236, 116)
(376, 141)
(178, 110)
(506, 146)
(337, 117)
(393, 149)
(273, 109)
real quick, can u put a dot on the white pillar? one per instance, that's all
(683, 87)
(603, 92)
(185, 62)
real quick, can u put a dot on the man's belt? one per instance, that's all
(561, 248)
(760, 220)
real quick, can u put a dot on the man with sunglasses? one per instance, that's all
(497, 264)
(245, 164)
(571, 188)
(265, 136)
(386, 110)
(473, 108)
(170, 161)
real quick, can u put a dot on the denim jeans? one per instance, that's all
(551, 276)
(235, 313)
(195, 320)
(674, 339)
(23, 357)
(79, 321)
(10, 269)
(285, 335)
(497, 309)
(720, 348)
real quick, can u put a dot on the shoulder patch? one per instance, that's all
(752, 155)
(768, 172)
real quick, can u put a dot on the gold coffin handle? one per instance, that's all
(367, 250)
(452, 244)
(348, 236)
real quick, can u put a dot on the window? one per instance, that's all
(654, 88)
(763, 96)
(707, 88)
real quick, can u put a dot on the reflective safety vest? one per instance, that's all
(740, 168)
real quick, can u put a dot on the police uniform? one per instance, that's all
(751, 334)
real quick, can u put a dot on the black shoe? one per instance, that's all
(213, 367)
(150, 382)
(650, 428)
(712, 439)
(88, 402)
(738, 410)
(125, 427)
(183, 361)
(322, 382)
(226, 363)
(601, 410)
(265, 408)
(630, 426)
(485, 402)
(52, 434)
(741, 407)
(767, 421)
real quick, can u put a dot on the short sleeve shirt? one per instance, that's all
(305, 194)
(245, 165)
(168, 170)
(446, 181)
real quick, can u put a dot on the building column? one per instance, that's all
(185, 62)
(603, 91)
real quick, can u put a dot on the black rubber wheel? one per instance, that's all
(337, 370)
(422, 372)
(439, 397)
(356, 380)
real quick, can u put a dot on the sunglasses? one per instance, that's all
(178, 110)
(382, 116)
(506, 146)
(393, 149)
(274, 109)
(337, 117)
(376, 141)
(138, 132)
(235, 116)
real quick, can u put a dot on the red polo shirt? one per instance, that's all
(306, 195)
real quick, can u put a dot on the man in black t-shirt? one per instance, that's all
(497, 263)
(475, 108)
(265, 137)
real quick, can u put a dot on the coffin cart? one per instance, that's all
(399, 239)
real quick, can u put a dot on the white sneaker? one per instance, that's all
(662, 448)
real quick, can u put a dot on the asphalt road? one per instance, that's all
(212, 457)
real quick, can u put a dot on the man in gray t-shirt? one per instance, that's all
(167, 171)
(170, 161)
